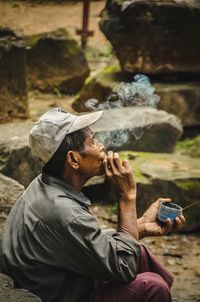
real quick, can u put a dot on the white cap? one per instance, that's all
(47, 134)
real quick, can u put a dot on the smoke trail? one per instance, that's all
(139, 93)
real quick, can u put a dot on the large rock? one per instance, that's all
(158, 175)
(179, 98)
(99, 87)
(10, 190)
(9, 294)
(154, 36)
(143, 129)
(16, 160)
(56, 62)
(13, 86)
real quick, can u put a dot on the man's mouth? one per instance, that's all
(104, 156)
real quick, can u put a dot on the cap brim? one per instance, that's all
(85, 120)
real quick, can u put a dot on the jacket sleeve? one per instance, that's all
(99, 255)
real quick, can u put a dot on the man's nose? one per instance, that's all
(101, 146)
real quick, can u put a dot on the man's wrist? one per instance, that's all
(129, 197)
(127, 215)
(141, 227)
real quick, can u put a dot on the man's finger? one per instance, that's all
(117, 162)
(168, 227)
(164, 200)
(111, 162)
(126, 165)
(180, 220)
(178, 223)
(108, 171)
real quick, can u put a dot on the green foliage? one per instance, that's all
(57, 92)
(189, 147)
(94, 54)
(113, 208)
(193, 185)
(112, 68)
(32, 40)
(72, 48)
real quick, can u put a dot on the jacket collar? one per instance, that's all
(65, 187)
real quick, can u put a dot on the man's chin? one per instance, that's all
(101, 171)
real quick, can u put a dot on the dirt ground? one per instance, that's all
(33, 18)
(179, 253)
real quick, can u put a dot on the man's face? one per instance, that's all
(91, 161)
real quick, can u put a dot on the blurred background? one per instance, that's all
(119, 55)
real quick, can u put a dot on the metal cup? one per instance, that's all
(168, 210)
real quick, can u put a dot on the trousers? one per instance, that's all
(152, 284)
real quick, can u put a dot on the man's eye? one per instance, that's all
(94, 142)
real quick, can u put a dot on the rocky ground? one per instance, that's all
(179, 253)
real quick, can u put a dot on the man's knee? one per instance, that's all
(146, 287)
(150, 286)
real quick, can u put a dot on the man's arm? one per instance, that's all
(93, 253)
(120, 175)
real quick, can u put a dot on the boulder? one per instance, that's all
(179, 98)
(10, 190)
(55, 62)
(154, 36)
(99, 87)
(143, 129)
(158, 175)
(16, 160)
(13, 85)
(9, 294)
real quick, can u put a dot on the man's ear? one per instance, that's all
(73, 159)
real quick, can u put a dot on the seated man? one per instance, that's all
(52, 244)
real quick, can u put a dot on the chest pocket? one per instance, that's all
(30, 220)
(32, 223)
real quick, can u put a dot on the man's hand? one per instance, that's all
(120, 175)
(148, 225)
